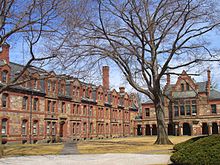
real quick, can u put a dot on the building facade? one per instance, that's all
(191, 108)
(61, 108)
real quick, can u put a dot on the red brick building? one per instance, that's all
(61, 107)
(191, 108)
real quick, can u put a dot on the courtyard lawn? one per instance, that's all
(129, 145)
(32, 149)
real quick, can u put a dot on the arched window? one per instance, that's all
(25, 103)
(4, 76)
(4, 100)
(4, 126)
(187, 87)
(24, 127)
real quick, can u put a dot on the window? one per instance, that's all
(90, 111)
(188, 110)
(176, 108)
(4, 126)
(187, 87)
(213, 107)
(24, 103)
(62, 89)
(84, 109)
(35, 83)
(90, 127)
(182, 87)
(24, 127)
(84, 128)
(48, 105)
(48, 128)
(53, 86)
(194, 107)
(35, 127)
(35, 105)
(74, 129)
(48, 86)
(147, 112)
(4, 100)
(62, 107)
(53, 128)
(182, 108)
(53, 106)
(4, 76)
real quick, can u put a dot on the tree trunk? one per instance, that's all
(162, 136)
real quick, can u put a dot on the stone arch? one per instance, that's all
(186, 129)
(214, 128)
(205, 129)
(154, 129)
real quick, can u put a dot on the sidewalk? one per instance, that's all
(69, 149)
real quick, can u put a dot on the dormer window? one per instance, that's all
(182, 87)
(4, 76)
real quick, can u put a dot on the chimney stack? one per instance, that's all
(4, 54)
(122, 89)
(168, 79)
(208, 85)
(105, 77)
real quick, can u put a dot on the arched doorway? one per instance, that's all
(205, 129)
(147, 131)
(214, 128)
(186, 129)
(154, 129)
(139, 131)
(170, 129)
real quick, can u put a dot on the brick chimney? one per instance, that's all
(168, 79)
(208, 85)
(105, 77)
(4, 54)
(122, 89)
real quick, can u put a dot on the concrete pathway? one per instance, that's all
(91, 159)
(69, 149)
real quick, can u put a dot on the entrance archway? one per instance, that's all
(205, 129)
(147, 131)
(154, 129)
(214, 128)
(186, 129)
(170, 129)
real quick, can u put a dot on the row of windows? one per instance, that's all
(24, 127)
(185, 108)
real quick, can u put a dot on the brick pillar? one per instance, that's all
(210, 128)
(151, 130)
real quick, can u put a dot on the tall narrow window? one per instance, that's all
(53, 106)
(4, 100)
(187, 87)
(182, 87)
(4, 76)
(35, 104)
(194, 108)
(53, 128)
(213, 107)
(90, 111)
(35, 83)
(188, 110)
(48, 86)
(147, 112)
(176, 108)
(35, 127)
(84, 110)
(63, 107)
(4, 126)
(48, 128)
(24, 103)
(48, 105)
(74, 129)
(24, 127)
(90, 127)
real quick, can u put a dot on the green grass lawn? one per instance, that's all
(32, 149)
(129, 145)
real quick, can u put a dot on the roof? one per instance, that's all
(214, 94)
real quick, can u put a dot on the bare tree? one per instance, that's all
(146, 39)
